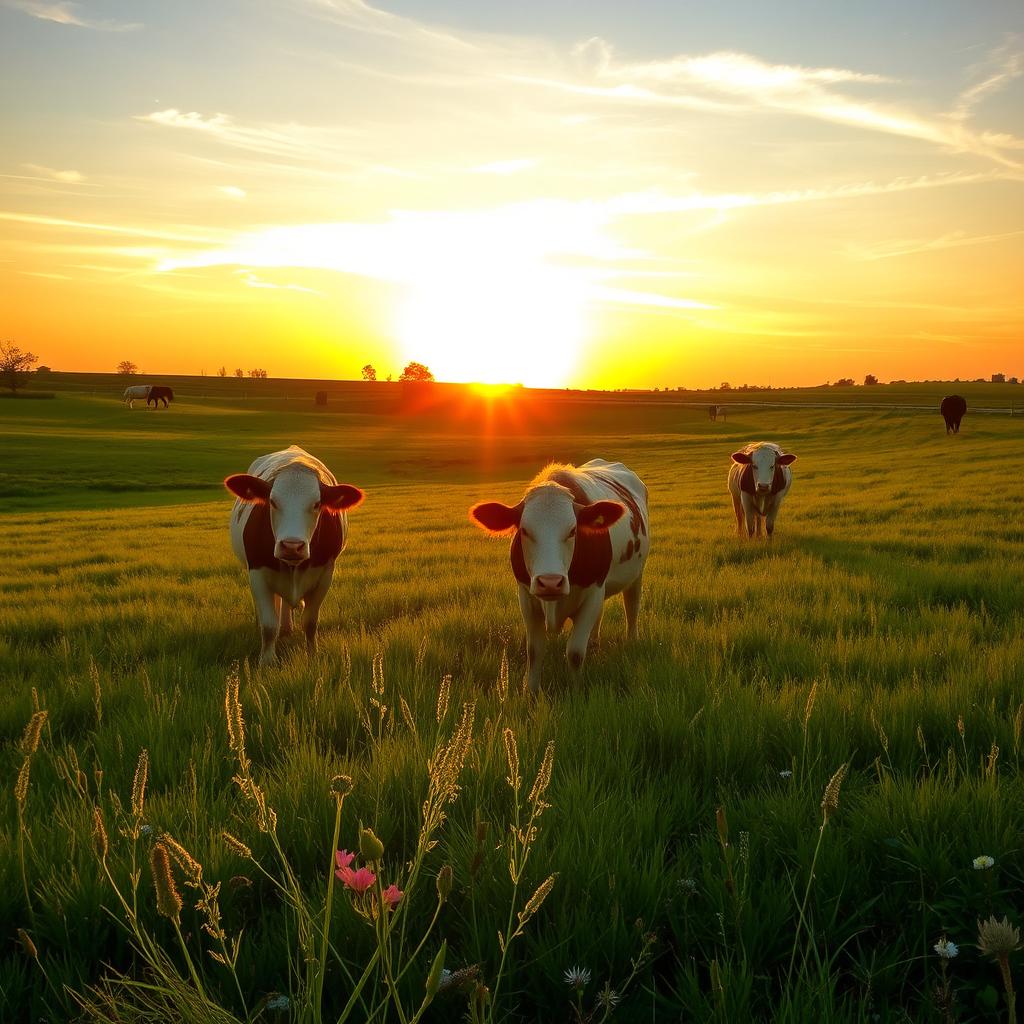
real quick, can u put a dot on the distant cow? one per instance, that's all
(759, 480)
(714, 411)
(953, 408)
(580, 535)
(134, 393)
(288, 526)
(159, 393)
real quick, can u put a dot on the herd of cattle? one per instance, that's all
(580, 535)
(155, 393)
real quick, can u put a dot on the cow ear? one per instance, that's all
(248, 488)
(597, 517)
(785, 460)
(496, 518)
(742, 458)
(340, 497)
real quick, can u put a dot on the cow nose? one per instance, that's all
(763, 487)
(292, 549)
(549, 584)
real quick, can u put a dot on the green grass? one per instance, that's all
(894, 591)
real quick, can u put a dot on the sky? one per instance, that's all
(550, 192)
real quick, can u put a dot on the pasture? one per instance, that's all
(882, 630)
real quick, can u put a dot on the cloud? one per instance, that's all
(907, 247)
(1002, 66)
(50, 173)
(65, 12)
(504, 167)
(232, 191)
(252, 281)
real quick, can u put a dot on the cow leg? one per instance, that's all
(737, 507)
(265, 601)
(759, 519)
(583, 624)
(533, 620)
(311, 612)
(595, 633)
(284, 618)
(751, 518)
(631, 603)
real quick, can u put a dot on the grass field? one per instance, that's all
(883, 630)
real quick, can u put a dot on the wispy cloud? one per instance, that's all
(231, 191)
(504, 167)
(52, 174)
(1002, 65)
(66, 12)
(907, 247)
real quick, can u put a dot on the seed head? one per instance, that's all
(543, 780)
(26, 940)
(812, 696)
(512, 757)
(30, 738)
(998, 938)
(443, 693)
(236, 845)
(99, 833)
(830, 798)
(341, 785)
(168, 900)
(534, 903)
(444, 882)
(192, 869)
(139, 783)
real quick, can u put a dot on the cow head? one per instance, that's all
(548, 522)
(296, 499)
(763, 461)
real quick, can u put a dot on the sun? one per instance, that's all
(495, 312)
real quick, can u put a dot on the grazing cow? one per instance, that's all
(159, 393)
(759, 480)
(288, 526)
(580, 535)
(953, 408)
(136, 392)
(714, 411)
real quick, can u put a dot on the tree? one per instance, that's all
(127, 368)
(870, 379)
(222, 372)
(239, 372)
(843, 382)
(368, 372)
(416, 372)
(258, 374)
(15, 365)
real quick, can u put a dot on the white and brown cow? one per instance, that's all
(288, 526)
(759, 480)
(134, 393)
(580, 535)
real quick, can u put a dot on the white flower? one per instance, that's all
(146, 830)
(785, 774)
(983, 863)
(946, 949)
(687, 885)
(577, 977)
(278, 1003)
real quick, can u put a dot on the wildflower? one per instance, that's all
(370, 847)
(341, 785)
(344, 859)
(785, 774)
(997, 938)
(146, 830)
(608, 997)
(687, 885)
(358, 881)
(946, 949)
(278, 1003)
(983, 863)
(393, 896)
(577, 977)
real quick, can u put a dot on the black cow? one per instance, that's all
(953, 408)
(160, 393)
(714, 411)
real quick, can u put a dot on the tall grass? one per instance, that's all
(883, 630)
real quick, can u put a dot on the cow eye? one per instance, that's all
(526, 534)
(571, 534)
(274, 505)
(316, 505)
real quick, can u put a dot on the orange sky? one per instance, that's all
(535, 195)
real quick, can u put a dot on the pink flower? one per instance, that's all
(344, 859)
(357, 881)
(393, 896)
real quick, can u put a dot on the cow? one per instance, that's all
(136, 392)
(159, 393)
(580, 534)
(714, 411)
(288, 526)
(759, 480)
(953, 408)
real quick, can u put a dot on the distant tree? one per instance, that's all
(725, 386)
(222, 372)
(127, 368)
(368, 372)
(43, 369)
(844, 382)
(389, 378)
(15, 365)
(870, 379)
(239, 372)
(258, 374)
(416, 372)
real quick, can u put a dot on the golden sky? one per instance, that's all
(598, 195)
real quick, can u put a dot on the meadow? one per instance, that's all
(700, 871)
